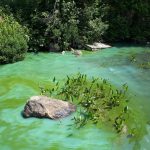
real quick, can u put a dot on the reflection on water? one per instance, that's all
(20, 80)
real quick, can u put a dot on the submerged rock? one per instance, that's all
(76, 52)
(45, 107)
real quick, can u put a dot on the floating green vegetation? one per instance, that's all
(141, 60)
(98, 103)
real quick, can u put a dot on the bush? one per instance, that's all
(13, 39)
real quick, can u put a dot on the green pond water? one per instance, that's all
(21, 80)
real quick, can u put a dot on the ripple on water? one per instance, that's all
(20, 80)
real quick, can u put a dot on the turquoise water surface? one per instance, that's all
(21, 80)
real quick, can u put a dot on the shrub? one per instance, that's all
(13, 39)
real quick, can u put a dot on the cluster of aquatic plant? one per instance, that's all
(141, 60)
(13, 39)
(98, 102)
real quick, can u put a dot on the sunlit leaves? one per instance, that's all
(13, 39)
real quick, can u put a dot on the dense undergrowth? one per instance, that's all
(98, 103)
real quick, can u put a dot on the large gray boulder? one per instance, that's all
(45, 107)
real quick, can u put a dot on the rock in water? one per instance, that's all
(45, 107)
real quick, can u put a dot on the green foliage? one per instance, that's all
(63, 26)
(128, 20)
(60, 24)
(13, 39)
(91, 26)
(98, 102)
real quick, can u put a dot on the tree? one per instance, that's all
(62, 25)
(128, 20)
